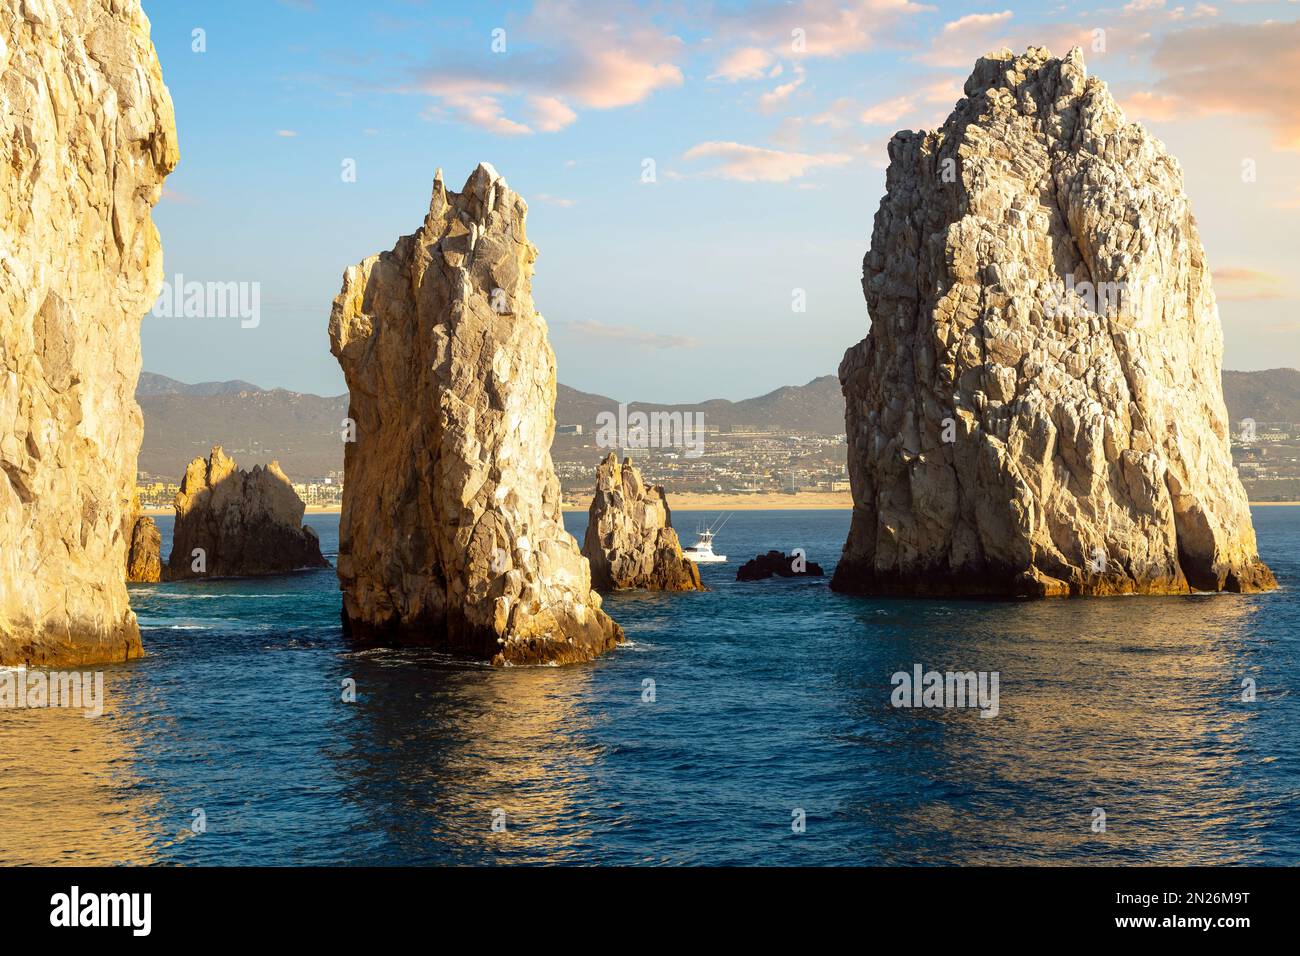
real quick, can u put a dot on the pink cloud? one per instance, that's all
(575, 53)
(754, 164)
(550, 113)
(1248, 69)
(745, 63)
(1247, 285)
(1145, 105)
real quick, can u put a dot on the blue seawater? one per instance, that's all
(770, 704)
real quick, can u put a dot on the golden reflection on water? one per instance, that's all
(447, 749)
(69, 794)
(1130, 705)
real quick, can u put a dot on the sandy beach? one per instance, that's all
(803, 501)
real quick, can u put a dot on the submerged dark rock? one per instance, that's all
(782, 565)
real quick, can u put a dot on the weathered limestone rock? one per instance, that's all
(243, 523)
(781, 565)
(144, 548)
(630, 540)
(451, 533)
(89, 136)
(1037, 408)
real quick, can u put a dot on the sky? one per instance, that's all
(310, 131)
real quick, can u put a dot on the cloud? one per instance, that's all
(754, 164)
(965, 39)
(286, 133)
(812, 28)
(550, 113)
(625, 333)
(888, 112)
(563, 54)
(485, 112)
(1248, 285)
(925, 108)
(1251, 69)
(774, 98)
(1145, 105)
(554, 200)
(746, 63)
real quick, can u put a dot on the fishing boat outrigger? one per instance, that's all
(701, 552)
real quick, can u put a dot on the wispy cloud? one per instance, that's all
(754, 164)
(1145, 105)
(625, 333)
(1248, 285)
(745, 63)
(1249, 69)
(565, 55)
(286, 133)
(555, 200)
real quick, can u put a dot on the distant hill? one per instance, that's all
(816, 408)
(256, 425)
(1272, 395)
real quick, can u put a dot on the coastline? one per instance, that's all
(767, 501)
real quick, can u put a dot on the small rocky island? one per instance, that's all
(1037, 408)
(778, 564)
(144, 549)
(630, 540)
(240, 523)
(451, 533)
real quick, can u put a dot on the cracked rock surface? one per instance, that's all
(245, 523)
(451, 533)
(630, 540)
(89, 137)
(1037, 408)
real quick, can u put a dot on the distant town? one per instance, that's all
(326, 491)
(1267, 456)
(789, 441)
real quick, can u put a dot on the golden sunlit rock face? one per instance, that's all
(1037, 409)
(451, 532)
(90, 136)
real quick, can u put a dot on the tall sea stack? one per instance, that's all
(1037, 408)
(89, 137)
(451, 533)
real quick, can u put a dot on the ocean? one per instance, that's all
(750, 724)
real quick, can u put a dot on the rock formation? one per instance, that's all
(143, 548)
(451, 533)
(779, 564)
(630, 540)
(1037, 408)
(242, 523)
(89, 136)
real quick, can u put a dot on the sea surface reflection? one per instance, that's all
(769, 699)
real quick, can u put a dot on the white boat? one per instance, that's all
(701, 552)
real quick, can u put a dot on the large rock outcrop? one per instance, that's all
(241, 523)
(89, 136)
(451, 533)
(630, 540)
(1037, 408)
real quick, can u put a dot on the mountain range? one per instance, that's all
(303, 431)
